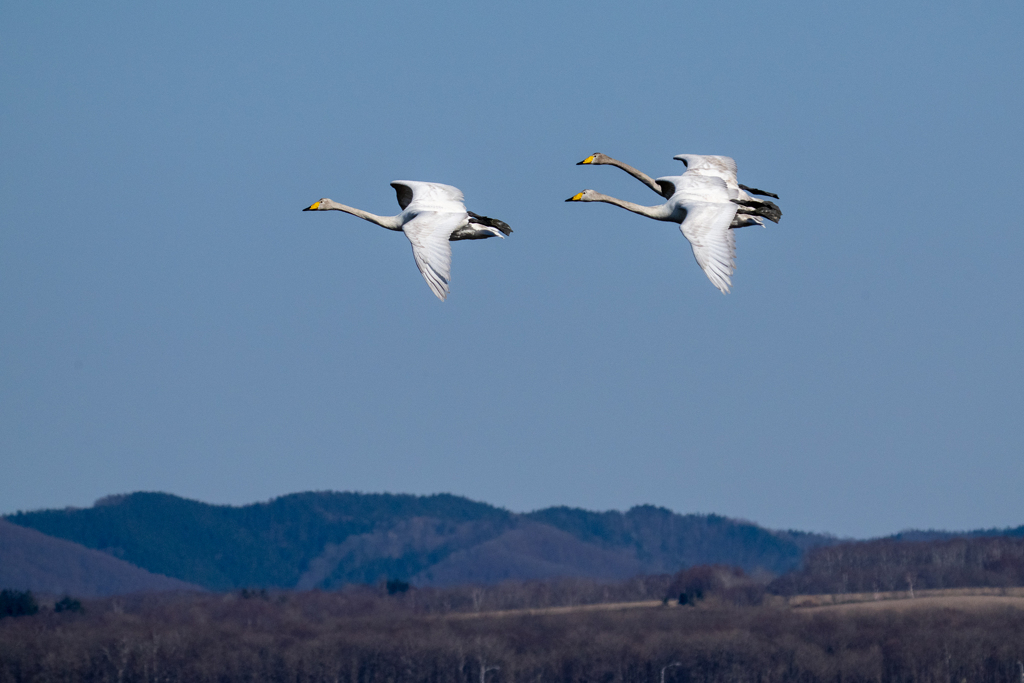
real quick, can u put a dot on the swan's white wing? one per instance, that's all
(711, 166)
(429, 232)
(709, 162)
(425, 196)
(707, 228)
(708, 188)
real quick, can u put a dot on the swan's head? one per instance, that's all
(595, 158)
(585, 196)
(319, 205)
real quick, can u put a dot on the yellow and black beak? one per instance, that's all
(576, 197)
(314, 207)
(588, 160)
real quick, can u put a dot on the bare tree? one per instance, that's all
(478, 598)
(484, 669)
(666, 668)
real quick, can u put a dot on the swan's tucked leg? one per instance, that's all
(760, 207)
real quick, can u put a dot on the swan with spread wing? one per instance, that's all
(704, 211)
(432, 215)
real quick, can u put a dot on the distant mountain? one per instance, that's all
(531, 551)
(328, 539)
(663, 541)
(30, 560)
(268, 544)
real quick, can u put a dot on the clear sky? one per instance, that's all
(170, 320)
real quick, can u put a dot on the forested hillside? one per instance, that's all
(329, 539)
(33, 561)
(664, 541)
(270, 544)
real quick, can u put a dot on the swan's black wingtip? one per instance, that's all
(763, 193)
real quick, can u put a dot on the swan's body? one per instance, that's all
(432, 216)
(725, 168)
(706, 165)
(701, 206)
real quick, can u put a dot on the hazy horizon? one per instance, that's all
(523, 511)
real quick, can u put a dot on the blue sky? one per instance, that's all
(172, 321)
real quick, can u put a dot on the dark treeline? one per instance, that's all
(865, 567)
(726, 584)
(15, 603)
(369, 637)
(512, 595)
(889, 565)
(394, 596)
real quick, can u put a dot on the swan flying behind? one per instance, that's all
(702, 208)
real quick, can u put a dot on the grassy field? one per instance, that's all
(953, 598)
(970, 599)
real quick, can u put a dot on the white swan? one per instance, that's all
(432, 216)
(710, 165)
(704, 212)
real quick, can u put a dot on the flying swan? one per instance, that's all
(432, 216)
(702, 207)
(707, 165)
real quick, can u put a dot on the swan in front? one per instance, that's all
(702, 207)
(707, 165)
(432, 215)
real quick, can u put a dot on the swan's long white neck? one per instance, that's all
(662, 212)
(389, 222)
(639, 175)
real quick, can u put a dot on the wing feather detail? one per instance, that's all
(706, 227)
(428, 232)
